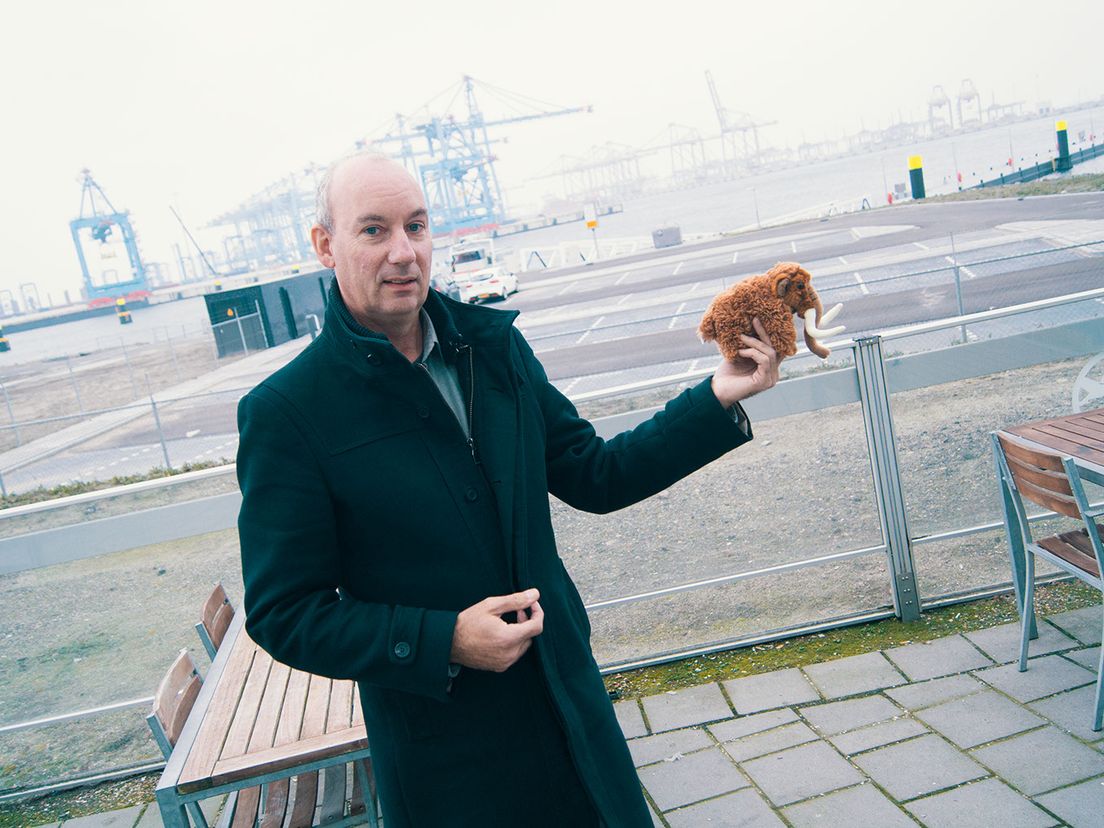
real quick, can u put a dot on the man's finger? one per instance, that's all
(502, 604)
(532, 626)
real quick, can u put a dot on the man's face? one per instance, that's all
(380, 248)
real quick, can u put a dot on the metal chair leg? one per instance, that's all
(1028, 613)
(1098, 715)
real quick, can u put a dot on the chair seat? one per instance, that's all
(1075, 548)
(300, 801)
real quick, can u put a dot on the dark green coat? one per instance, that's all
(368, 522)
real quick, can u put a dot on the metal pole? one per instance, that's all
(241, 333)
(130, 368)
(260, 321)
(160, 433)
(755, 198)
(594, 235)
(958, 287)
(11, 415)
(880, 440)
(3, 488)
(73, 380)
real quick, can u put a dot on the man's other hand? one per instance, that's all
(482, 640)
(756, 370)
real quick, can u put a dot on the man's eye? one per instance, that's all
(371, 231)
(415, 227)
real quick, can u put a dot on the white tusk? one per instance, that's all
(816, 333)
(825, 318)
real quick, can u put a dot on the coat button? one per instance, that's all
(471, 494)
(374, 359)
(402, 649)
(423, 411)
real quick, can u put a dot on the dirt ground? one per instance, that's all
(102, 630)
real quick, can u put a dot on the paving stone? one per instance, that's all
(837, 717)
(1089, 657)
(942, 657)
(1083, 624)
(858, 806)
(685, 708)
(1041, 760)
(1079, 805)
(665, 745)
(123, 818)
(801, 772)
(699, 776)
(151, 817)
(1002, 644)
(936, 691)
(760, 744)
(1072, 711)
(854, 674)
(781, 688)
(884, 733)
(1044, 677)
(746, 725)
(980, 718)
(918, 766)
(630, 718)
(743, 809)
(979, 805)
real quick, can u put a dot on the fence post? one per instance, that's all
(130, 368)
(157, 422)
(73, 380)
(260, 321)
(958, 286)
(11, 415)
(878, 422)
(241, 333)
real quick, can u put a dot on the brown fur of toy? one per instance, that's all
(774, 297)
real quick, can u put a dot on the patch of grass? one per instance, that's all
(80, 487)
(109, 796)
(1086, 183)
(848, 641)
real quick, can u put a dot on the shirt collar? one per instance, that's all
(429, 335)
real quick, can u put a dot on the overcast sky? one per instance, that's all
(200, 104)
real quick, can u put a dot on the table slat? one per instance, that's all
(295, 700)
(341, 706)
(224, 701)
(317, 709)
(268, 713)
(285, 757)
(241, 727)
(1056, 442)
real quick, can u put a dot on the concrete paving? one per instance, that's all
(947, 733)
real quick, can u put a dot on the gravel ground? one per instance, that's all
(801, 489)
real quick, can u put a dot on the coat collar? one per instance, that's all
(456, 324)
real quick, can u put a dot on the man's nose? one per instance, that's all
(402, 251)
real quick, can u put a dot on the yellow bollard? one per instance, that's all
(122, 312)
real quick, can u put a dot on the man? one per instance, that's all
(395, 526)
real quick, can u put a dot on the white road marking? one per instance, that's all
(922, 246)
(678, 267)
(570, 385)
(793, 246)
(862, 284)
(191, 433)
(842, 260)
(674, 319)
(625, 276)
(695, 286)
(586, 333)
(624, 298)
(693, 366)
(735, 256)
(567, 288)
(969, 273)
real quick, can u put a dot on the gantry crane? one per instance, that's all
(736, 125)
(456, 167)
(105, 280)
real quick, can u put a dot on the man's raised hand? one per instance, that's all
(483, 640)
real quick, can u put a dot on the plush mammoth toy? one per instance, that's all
(774, 297)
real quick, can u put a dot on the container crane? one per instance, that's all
(736, 125)
(106, 278)
(458, 174)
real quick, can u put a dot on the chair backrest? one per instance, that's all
(173, 701)
(1040, 476)
(214, 619)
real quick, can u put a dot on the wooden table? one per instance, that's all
(255, 721)
(1080, 436)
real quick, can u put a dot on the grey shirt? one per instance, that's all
(443, 375)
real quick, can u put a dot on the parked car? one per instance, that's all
(443, 284)
(488, 283)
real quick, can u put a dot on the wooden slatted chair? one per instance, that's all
(296, 803)
(214, 620)
(1053, 482)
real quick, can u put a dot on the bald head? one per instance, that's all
(338, 169)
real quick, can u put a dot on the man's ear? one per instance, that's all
(320, 239)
